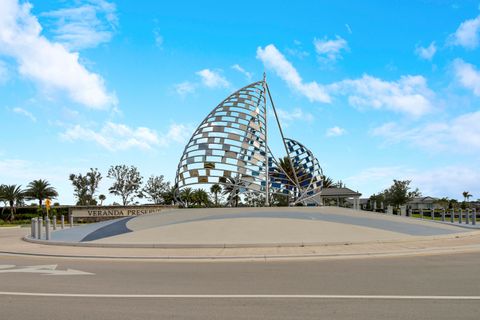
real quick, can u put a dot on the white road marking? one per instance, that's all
(241, 296)
(50, 269)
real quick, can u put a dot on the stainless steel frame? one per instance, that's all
(230, 148)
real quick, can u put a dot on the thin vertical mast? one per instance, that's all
(267, 174)
(283, 138)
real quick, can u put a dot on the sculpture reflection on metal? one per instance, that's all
(230, 148)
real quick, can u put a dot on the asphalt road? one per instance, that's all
(375, 288)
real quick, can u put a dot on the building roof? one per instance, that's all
(339, 192)
(423, 200)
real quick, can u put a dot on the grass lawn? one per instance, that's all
(14, 223)
(427, 216)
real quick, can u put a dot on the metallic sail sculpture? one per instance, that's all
(230, 148)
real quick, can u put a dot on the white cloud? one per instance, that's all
(21, 172)
(330, 49)
(84, 26)
(410, 94)
(297, 114)
(448, 181)
(49, 64)
(25, 113)
(247, 74)
(208, 78)
(179, 133)
(297, 52)
(3, 72)
(348, 28)
(426, 53)
(467, 75)
(16, 171)
(335, 131)
(115, 136)
(467, 34)
(185, 88)
(276, 61)
(13, 170)
(376, 179)
(461, 134)
(158, 38)
(157, 34)
(212, 79)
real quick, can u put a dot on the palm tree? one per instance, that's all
(40, 190)
(328, 182)
(2, 198)
(169, 196)
(186, 195)
(200, 197)
(216, 189)
(466, 195)
(285, 170)
(101, 198)
(285, 164)
(232, 189)
(13, 194)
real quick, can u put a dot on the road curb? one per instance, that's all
(263, 257)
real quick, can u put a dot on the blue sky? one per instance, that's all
(378, 90)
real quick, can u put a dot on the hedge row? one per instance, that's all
(27, 213)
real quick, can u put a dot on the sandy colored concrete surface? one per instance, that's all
(11, 243)
(180, 215)
(273, 226)
(254, 231)
(260, 233)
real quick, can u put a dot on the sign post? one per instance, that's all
(48, 203)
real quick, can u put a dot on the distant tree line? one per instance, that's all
(127, 183)
(400, 193)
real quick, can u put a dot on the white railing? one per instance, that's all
(461, 216)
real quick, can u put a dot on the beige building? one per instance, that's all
(340, 197)
(418, 203)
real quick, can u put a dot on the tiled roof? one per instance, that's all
(423, 200)
(339, 192)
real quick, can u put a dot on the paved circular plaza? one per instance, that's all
(239, 227)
